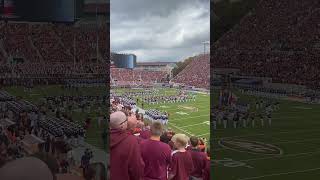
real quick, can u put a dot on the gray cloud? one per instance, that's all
(159, 30)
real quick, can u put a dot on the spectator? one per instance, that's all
(156, 155)
(206, 172)
(199, 159)
(126, 162)
(145, 133)
(181, 165)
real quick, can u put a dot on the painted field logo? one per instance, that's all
(188, 108)
(254, 147)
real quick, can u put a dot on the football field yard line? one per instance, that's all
(297, 142)
(179, 104)
(186, 131)
(179, 119)
(200, 109)
(183, 130)
(191, 125)
(279, 174)
(262, 134)
(204, 134)
(282, 156)
(283, 142)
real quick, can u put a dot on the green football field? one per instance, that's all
(191, 118)
(94, 133)
(289, 149)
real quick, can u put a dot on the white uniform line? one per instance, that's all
(279, 174)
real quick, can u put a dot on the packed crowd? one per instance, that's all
(124, 77)
(197, 73)
(48, 53)
(142, 151)
(48, 42)
(277, 39)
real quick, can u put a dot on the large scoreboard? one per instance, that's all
(38, 10)
(128, 61)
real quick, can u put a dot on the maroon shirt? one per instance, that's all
(145, 134)
(125, 156)
(189, 148)
(199, 160)
(206, 172)
(157, 158)
(181, 165)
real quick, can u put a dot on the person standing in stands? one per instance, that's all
(155, 154)
(181, 165)
(125, 155)
(206, 172)
(199, 159)
(145, 133)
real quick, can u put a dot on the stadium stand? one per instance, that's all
(38, 53)
(127, 77)
(47, 50)
(197, 73)
(283, 36)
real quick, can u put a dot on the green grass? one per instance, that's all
(94, 134)
(192, 123)
(295, 130)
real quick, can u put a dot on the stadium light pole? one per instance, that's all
(205, 43)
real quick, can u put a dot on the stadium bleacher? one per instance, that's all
(283, 36)
(197, 73)
(127, 76)
(38, 53)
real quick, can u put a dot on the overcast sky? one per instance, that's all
(159, 30)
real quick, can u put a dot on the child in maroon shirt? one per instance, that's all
(181, 165)
(199, 158)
